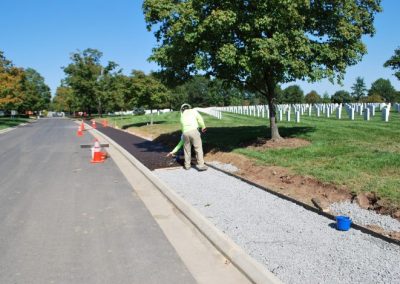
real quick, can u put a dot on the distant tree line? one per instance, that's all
(90, 87)
(93, 88)
(380, 91)
(23, 90)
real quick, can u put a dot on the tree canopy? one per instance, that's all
(292, 95)
(258, 44)
(341, 96)
(394, 63)
(359, 89)
(312, 98)
(20, 89)
(384, 89)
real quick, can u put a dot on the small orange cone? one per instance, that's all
(79, 133)
(82, 126)
(94, 124)
(97, 155)
(104, 123)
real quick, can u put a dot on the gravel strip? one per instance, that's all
(226, 167)
(365, 217)
(295, 244)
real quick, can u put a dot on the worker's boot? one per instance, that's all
(202, 168)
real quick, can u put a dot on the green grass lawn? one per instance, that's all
(6, 122)
(361, 155)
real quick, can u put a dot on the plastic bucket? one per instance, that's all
(343, 223)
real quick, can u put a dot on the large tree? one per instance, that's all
(258, 44)
(312, 98)
(293, 95)
(64, 100)
(359, 89)
(11, 85)
(383, 88)
(341, 96)
(150, 92)
(394, 63)
(86, 76)
(37, 94)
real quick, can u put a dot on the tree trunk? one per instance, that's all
(272, 110)
(99, 109)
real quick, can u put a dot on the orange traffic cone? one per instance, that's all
(104, 123)
(97, 155)
(82, 126)
(94, 124)
(79, 133)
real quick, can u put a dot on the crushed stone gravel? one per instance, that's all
(364, 217)
(225, 167)
(295, 244)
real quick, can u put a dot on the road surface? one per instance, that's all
(65, 220)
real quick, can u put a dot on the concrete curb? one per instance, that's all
(252, 269)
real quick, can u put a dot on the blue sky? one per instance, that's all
(42, 34)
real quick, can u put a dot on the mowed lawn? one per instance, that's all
(361, 155)
(6, 122)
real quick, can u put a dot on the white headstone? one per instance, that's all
(385, 114)
(339, 112)
(297, 116)
(351, 114)
(366, 114)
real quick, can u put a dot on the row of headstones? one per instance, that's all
(327, 110)
(215, 112)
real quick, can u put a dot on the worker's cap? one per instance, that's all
(185, 106)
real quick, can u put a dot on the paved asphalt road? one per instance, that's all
(65, 220)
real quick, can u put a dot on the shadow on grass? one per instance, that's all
(226, 139)
(139, 124)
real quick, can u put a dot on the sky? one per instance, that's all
(42, 34)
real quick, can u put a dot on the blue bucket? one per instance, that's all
(343, 223)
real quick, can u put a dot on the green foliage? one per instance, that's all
(326, 99)
(90, 82)
(258, 44)
(341, 97)
(359, 89)
(22, 90)
(384, 89)
(312, 98)
(64, 100)
(11, 87)
(292, 95)
(201, 91)
(394, 63)
(150, 92)
(374, 98)
(37, 94)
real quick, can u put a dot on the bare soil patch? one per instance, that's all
(263, 143)
(282, 180)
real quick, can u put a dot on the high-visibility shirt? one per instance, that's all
(177, 147)
(190, 120)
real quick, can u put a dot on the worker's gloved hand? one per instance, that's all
(170, 154)
(204, 129)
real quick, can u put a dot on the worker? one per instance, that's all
(191, 120)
